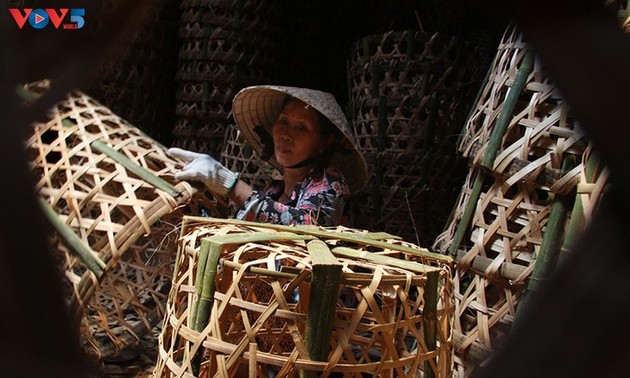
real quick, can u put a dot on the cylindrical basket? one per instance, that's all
(109, 193)
(261, 299)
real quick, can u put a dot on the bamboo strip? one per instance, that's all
(547, 259)
(325, 285)
(73, 242)
(429, 320)
(325, 234)
(135, 168)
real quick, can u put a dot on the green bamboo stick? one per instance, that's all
(384, 260)
(325, 234)
(576, 221)
(527, 65)
(493, 145)
(201, 267)
(73, 242)
(135, 168)
(206, 298)
(469, 210)
(429, 318)
(547, 258)
(323, 299)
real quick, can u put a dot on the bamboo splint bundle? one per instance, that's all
(225, 45)
(108, 190)
(525, 152)
(266, 299)
(409, 95)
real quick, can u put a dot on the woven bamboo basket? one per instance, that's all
(225, 46)
(140, 85)
(519, 198)
(108, 191)
(383, 306)
(410, 92)
(238, 156)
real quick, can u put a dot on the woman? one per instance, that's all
(304, 134)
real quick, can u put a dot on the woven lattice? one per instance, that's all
(124, 211)
(410, 92)
(239, 156)
(537, 162)
(260, 304)
(140, 86)
(225, 46)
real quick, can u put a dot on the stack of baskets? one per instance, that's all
(109, 194)
(518, 207)
(225, 45)
(262, 299)
(139, 87)
(410, 92)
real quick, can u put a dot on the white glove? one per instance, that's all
(203, 168)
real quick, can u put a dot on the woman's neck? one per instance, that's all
(294, 175)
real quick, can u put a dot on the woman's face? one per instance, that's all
(297, 134)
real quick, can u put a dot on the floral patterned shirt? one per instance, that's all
(318, 199)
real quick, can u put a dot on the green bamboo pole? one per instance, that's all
(490, 153)
(429, 318)
(384, 260)
(206, 297)
(520, 81)
(202, 260)
(547, 258)
(135, 168)
(576, 221)
(333, 235)
(73, 242)
(323, 300)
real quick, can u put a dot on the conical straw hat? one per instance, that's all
(260, 106)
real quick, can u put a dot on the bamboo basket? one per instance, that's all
(241, 303)
(238, 156)
(518, 200)
(108, 192)
(409, 94)
(226, 45)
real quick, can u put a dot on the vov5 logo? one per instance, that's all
(40, 18)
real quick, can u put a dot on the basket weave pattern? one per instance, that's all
(129, 224)
(259, 309)
(225, 45)
(409, 94)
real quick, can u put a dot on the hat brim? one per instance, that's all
(261, 105)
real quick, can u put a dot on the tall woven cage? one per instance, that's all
(225, 45)
(410, 92)
(108, 192)
(140, 86)
(259, 300)
(532, 184)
